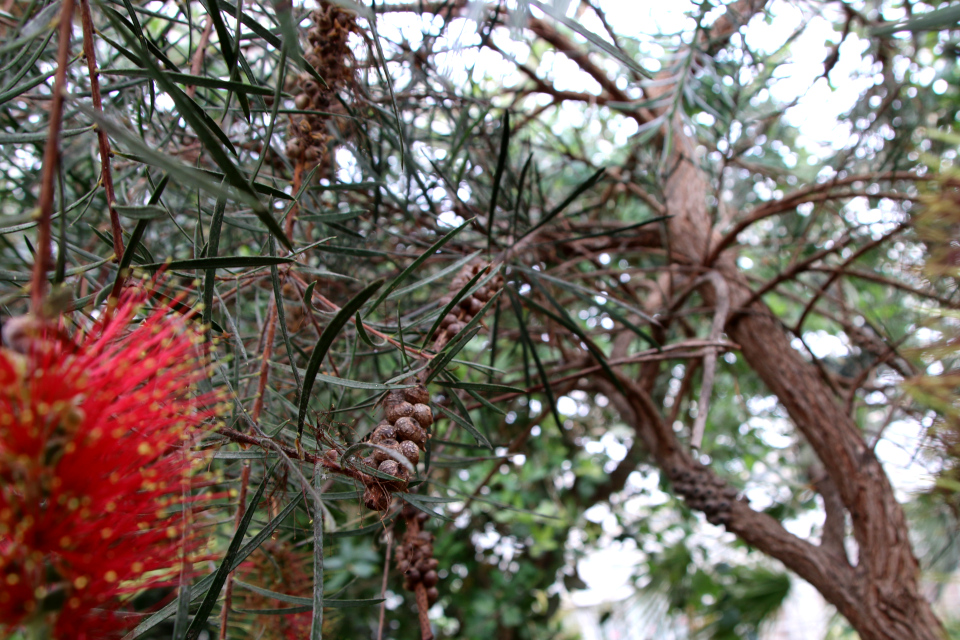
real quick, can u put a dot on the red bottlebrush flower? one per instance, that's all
(95, 468)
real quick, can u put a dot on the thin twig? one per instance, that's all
(710, 359)
(241, 509)
(197, 62)
(51, 161)
(383, 587)
(106, 176)
(316, 625)
(836, 274)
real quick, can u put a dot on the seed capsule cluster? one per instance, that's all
(415, 556)
(468, 307)
(403, 431)
(705, 492)
(331, 57)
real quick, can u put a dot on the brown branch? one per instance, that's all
(834, 524)
(792, 272)
(264, 443)
(813, 193)
(666, 352)
(51, 162)
(104, 143)
(722, 293)
(834, 579)
(269, 336)
(836, 274)
(890, 282)
(197, 62)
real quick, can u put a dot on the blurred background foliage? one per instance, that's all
(437, 129)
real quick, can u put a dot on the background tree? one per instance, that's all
(637, 258)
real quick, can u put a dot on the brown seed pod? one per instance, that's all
(433, 594)
(429, 579)
(380, 455)
(396, 411)
(419, 438)
(389, 467)
(376, 499)
(384, 431)
(370, 461)
(425, 536)
(423, 414)
(407, 428)
(412, 575)
(417, 394)
(410, 451)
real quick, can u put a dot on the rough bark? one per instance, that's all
(880, 596)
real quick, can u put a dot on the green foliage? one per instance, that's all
(563, 197)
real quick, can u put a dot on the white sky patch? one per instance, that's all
(824, 344)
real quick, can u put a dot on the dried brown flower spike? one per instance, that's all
(407, 416)
(704, 492)
(468, 307)
(330, 55)
(419, 568)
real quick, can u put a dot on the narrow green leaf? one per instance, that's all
(498, 175)
(415, 501)
(196, 81)
(221, 262)
(281, 314)
(489, 405)
(441, 360)
(141, 212)
(362, 531)
(323, 345)
(937, 20)
(308, 294)
(481, 386)
(564, 319)
(416, 263)
(316, 624)
(468, 425)
(583, 186)
(351, 251)
(226, 42)
(525, 336)
(40, 136)
(452, 304)
(456, 266)
(363, 332)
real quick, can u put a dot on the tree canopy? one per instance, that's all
(487, 286)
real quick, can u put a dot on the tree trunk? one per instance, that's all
(880, 595)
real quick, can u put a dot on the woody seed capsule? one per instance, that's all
(423, 414)
(410, 451)
(400, 410)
